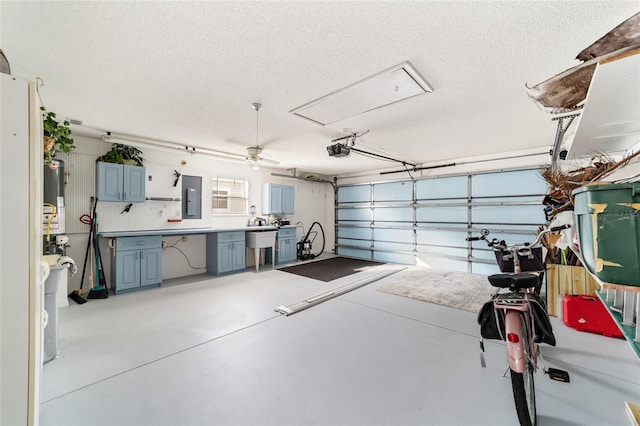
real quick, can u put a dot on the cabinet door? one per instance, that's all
(134, 184)
(271, 198)
(286, 250)
(239, 253)
(287, 199)
(109, 181)
(290, 250)
(150, 266)
(127, 269)
(225, 257)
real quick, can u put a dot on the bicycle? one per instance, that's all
(519, 317)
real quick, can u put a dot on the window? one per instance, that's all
(229, 196)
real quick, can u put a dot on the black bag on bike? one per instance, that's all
(542, 329)
(491, 322)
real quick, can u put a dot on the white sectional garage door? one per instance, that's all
(426, 221)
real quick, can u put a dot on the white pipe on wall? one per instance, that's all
(188, 149)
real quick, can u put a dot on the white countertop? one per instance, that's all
(187, 231)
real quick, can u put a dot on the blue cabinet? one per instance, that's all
(120, 182)
(137, 263)
(277, 199)
(226, 252)
(287, 199)
(286, 246)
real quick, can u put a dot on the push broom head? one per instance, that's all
(76, 296)
(98, 292)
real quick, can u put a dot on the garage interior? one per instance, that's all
(386, 132)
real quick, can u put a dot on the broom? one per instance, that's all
(98, 291)
(76, 295)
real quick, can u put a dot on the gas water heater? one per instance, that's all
(53, 227)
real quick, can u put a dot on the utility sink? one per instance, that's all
(261, 239)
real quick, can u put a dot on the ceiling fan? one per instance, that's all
(254, 153)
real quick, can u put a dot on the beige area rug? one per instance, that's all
(458, 290)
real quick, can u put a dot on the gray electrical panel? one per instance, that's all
(191, 197)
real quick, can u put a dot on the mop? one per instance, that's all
(98, 291)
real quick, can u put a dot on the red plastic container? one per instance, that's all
(587, 313)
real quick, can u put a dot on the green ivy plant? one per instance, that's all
(119, 153)
(60, 133)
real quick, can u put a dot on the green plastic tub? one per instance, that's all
(608, 227)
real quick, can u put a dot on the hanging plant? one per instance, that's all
(123, 154)
(57, 137)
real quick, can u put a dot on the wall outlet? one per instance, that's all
(164, 245)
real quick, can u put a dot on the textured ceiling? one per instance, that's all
(188, 72)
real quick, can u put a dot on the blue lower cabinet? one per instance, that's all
(226, 252)
(137, 264)
(150, 267)
(286, 247)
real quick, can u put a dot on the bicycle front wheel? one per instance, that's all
(523, 386)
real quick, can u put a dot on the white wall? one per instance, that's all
(313, 202)
(20, 253)
(14, 252)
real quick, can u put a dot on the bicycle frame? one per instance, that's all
(523, 280)
(516, 311)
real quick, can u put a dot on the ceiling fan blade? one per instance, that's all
(268, 160)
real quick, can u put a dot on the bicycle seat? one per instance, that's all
(514, 281)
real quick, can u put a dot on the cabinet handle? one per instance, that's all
(141, 255)
(119, 195)
(125, 195)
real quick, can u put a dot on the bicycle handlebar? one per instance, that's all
(503, 245)
(559, 228)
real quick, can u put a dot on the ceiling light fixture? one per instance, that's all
(254, 158)
(254, 153)
(389, 86)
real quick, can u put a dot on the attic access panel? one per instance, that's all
(389, 86)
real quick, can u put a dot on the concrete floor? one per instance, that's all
(212, 351)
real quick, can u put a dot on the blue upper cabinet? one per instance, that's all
(287, 199)
(121, 183)
(133, 179)
(109, 181)
(277, 199)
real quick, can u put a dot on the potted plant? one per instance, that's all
(122, 154)
(57, 137)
